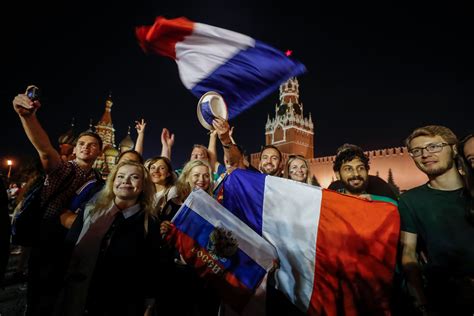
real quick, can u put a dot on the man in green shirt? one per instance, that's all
(434, 228)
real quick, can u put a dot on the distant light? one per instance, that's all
(288, 52)
(9, 162)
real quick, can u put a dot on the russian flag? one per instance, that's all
(222, 249)
(337, 253)
(240, 68)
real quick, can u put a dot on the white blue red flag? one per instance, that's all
(222, 250)
(337, 252)
(240, 68)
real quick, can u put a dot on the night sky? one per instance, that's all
(375, 71)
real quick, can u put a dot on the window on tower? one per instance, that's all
(282, 109)
(279, 134)
(297, 109)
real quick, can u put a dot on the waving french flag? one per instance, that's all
(337, 252)
(240, 68)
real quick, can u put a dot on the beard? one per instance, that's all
(359, 189)
(436, 171)
(269, 170)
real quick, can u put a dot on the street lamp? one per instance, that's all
(9, 163)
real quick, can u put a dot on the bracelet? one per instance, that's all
(228, 146)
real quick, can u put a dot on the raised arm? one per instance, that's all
(140, 127)
(232, 154)
(167, 142)
(212, 150)
(26, 110)
(231, 132)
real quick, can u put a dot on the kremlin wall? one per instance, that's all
(293, 133)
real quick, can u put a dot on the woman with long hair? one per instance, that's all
(183, 283)
(163, 178)
(196, 174)
(465, 164)
(116, 251)
(297, 169)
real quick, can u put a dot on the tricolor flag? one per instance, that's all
(222, 250)
(337, 252)
(240, 68)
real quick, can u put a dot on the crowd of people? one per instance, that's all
(99, 248)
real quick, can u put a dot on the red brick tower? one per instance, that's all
(290, 131)
(106, 131)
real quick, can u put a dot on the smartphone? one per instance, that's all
(33, 93)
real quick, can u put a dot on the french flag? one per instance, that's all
(223, 250)
(337, 253)
(240, 68)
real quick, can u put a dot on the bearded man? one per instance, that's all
(351, 168)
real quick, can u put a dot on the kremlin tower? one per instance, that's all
(106, 131)
(290, 131)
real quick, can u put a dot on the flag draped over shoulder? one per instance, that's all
(337, 253)
(240, 68)
(222, 250)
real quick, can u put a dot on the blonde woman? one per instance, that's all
(116, 251)
(196, 174)
(183, 285)
(297, 169)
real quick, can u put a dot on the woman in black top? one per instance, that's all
(115, 262)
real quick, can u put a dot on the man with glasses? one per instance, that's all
(434, 227)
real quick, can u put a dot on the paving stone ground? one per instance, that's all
(13, 292)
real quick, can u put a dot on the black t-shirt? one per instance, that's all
(438, 219)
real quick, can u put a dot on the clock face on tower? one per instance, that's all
(297, 109)
(282, 109)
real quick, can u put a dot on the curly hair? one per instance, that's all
(348, 152)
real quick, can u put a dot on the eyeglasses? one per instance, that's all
(431, 148)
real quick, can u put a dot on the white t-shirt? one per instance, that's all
(172, 193)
